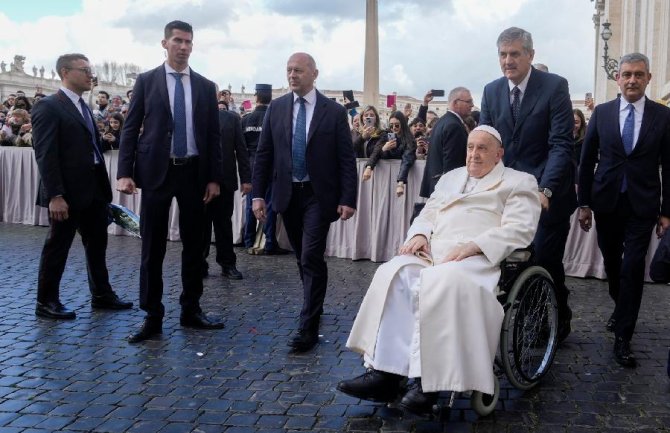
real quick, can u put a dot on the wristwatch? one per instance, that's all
(545, 191)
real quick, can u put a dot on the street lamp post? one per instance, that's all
(610, 65)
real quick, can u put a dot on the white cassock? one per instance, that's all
(442, 323)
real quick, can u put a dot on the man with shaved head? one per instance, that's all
(437, 295)
(305, 152)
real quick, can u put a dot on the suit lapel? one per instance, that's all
(319, 112)
(195, 91)
(70, 108)
(162, 88)
(505, 108)
(530, 97)
(647, 121)
(288, 120)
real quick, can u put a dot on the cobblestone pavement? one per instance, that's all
(81, 375)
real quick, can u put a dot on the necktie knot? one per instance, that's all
(177, 75)
(302, 100)
(631, 108)
(516, 91)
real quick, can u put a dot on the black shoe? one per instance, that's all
(610, 323)
(304, 340)
(231, 272)
(199, 321)
(564, 327)
(277, 251)
(373, 385)
(149, 328)
(417, 401)
(110, 301)
(623, 354)
(54, 310)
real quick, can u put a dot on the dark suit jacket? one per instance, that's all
(145, 157)
(600, 190)
(447, 150)
(234, 151)
(541, 142)
(64, 153)
(329, 156)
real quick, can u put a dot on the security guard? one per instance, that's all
(252, 125)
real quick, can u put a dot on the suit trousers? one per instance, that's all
(549, 246)
(623, 239)
(182, 183)
(307, 232)
(91, 222)
(219, 212)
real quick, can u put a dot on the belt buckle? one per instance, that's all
(179, 161)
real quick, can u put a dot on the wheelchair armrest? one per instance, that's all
(520, 255)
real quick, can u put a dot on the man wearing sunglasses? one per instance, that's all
(74, 185)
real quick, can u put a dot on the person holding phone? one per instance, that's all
(399, 144)
(111, 136)
(369, 133)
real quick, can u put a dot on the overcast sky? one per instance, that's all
(423, 44)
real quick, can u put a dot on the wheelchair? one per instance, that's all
(528, 338)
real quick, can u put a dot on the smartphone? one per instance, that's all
(391, 136)
(368, 121)
(588, 96)
(437, 92)
(95, 81)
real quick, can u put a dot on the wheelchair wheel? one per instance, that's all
(528, 337)
(484, 404)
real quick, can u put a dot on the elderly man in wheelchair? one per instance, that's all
(431, 313)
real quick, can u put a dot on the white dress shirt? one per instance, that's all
(639, 112)
(191, 148)
(522, 86)
(310, 103)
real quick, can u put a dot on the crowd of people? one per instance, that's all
(494, 180)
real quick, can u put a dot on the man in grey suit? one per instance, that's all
(532, 111)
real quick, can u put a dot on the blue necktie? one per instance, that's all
(179, 117)
(300, 142)
(627, 136)
(97, 156)
(516, 103)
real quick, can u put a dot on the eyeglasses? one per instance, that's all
(467, 101)
(87, 71)
(394, 125)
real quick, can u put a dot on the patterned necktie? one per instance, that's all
(97, 156)
(179, 133)
(300, 142)
(627, 136)
(516, 103)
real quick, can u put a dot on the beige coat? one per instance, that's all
(459, 315)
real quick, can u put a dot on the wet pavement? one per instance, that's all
(82, 375)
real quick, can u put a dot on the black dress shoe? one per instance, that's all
(54, 310)
(277, 251)
(110, 301)
(231, 272)
(622, 353)
(373, 385)
(417, 401)
(199, 321)
(304, 340)
(611, 322)
(149, 328)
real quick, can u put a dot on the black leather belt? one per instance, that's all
(183, 161)
(302, 185)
